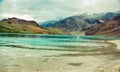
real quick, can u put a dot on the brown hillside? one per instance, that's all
(15, 25)
(111, 28)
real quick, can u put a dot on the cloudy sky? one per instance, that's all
(42, 10)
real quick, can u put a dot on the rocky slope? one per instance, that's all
(110, 28)
(15, 25)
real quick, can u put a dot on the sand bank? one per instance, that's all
(29, 60)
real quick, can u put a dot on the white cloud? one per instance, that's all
(26, 17)
(43, 10)
(89, 2)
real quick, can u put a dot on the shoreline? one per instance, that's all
(31, 60)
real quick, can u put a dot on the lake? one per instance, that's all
(52, 42)
(57, 43)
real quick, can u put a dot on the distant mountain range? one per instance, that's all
(107, 24)
(80, 22)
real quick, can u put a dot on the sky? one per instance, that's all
(43, 10)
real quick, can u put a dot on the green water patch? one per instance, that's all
(55, 36)
(101, 38)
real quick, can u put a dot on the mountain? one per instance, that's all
(80, 22)
(110, 28)
(15, 25)
(19, 21)
(48, 24)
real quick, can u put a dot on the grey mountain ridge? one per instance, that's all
(80, 22)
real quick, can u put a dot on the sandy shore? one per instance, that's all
(56, 64)
(29, 60)
(117, 42)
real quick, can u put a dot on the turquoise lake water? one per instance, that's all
(52, 42)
